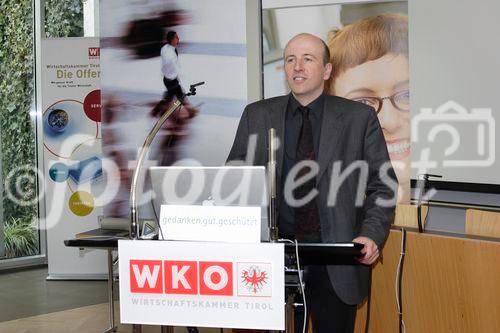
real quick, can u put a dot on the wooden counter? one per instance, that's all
(450, 284)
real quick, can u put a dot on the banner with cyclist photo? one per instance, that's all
(151, 52)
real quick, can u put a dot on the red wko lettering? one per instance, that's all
(94, 51)
(181, 277)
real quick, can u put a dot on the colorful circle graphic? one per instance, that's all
(58, 119)
(81, 203)
(59, 172)
(92, 105)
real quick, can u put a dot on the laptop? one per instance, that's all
(219, 186)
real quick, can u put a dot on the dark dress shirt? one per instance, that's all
(293, 123)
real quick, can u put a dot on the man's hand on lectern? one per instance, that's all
(369, 252)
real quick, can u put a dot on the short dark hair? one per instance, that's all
(170, 36)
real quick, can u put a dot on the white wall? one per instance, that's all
(454, 55)
(290, 21)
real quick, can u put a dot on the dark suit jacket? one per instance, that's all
(350, 132)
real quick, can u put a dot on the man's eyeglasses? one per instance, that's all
(400, 100)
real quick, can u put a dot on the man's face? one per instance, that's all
(175, 41)
(304, 68)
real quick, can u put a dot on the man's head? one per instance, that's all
(307, 67)
(172, 38)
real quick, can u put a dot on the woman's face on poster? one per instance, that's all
(384, 84)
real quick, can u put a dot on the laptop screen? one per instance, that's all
(219, 186)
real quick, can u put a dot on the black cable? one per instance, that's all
(368, 301)
(421, 185)
(302, 289)
(301, 282)
(427, 215)
(419, 218)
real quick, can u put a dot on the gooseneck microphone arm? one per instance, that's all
(143, 153)
(273, 225)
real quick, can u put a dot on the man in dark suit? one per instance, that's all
(336, 180)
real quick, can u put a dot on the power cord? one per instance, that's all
(301, 282)
(422, 182)
(368, 302)
(399, 280)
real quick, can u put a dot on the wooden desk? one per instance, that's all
(450, 284)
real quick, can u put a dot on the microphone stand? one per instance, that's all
(273, 225)
(423, 179)
(143, 153)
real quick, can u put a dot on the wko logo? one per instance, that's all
(94, 52)
(181, 277)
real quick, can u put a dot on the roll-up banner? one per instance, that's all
(74, 180)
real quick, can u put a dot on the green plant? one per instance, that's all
(64, 18)
(21, 238)
(16, 96)
(17, 130)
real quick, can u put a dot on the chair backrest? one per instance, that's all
(406, 215)
(482, 223)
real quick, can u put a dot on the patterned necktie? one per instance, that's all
(306, 216)
(305, 145)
